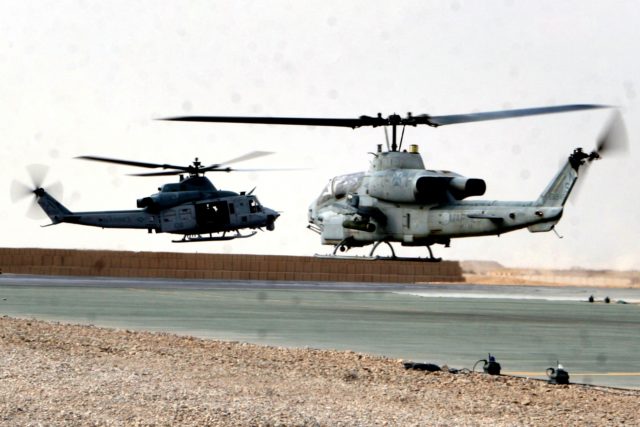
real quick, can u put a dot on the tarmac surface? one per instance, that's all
(528, 328)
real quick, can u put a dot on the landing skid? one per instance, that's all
(376, 244)
(431, 257)
(376, 258)
(344, 246)
(190, 238)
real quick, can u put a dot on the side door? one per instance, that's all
(213, 214)
(178, 219)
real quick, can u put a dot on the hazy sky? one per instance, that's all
(89, 78)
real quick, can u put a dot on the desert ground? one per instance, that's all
(64, 374)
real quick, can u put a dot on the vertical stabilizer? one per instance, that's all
(558, 190)
(53, 208)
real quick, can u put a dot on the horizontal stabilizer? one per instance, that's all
(542, 227)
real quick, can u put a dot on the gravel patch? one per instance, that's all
(61, 374)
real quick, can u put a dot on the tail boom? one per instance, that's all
(103, 219)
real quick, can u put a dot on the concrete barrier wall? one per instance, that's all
(223, 266)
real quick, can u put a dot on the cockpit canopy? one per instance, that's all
(340, 186)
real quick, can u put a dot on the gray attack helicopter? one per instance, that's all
(398, 200)
(192, 207)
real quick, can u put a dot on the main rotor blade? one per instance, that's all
(132, 163)
(298, 121)
(256, 170)
(226, 169)
(248, 156)
(503, 114)
(392, 120)
(167, 173)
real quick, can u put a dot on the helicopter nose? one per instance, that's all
(271, 218)
(272, 213)
(311, 212)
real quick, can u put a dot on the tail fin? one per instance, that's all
(558, 190)
(53, 208)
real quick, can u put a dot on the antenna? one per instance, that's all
(386, 137)
(401, 138)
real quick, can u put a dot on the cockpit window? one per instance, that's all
(325, 194)
(254, 206)
(342, 185)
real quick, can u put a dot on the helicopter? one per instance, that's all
(398, 200)
(192, 207)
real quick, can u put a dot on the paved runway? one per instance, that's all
(527, 328)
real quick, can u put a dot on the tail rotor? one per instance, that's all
(20, 190)
(613, 141)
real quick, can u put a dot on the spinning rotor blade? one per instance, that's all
(37, 173)
(256, 170)
(55, 189)
(248, 156)
(612, 140)
(195, 168)
(131, 163)
(228, 169)
(614, 137)
(167, 173)
(35, 211)
(298, 121)
(504, 114)
(20, 191)
(392, 120)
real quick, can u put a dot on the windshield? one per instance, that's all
(340, 186)
(254, 205)
(325, 194)
(344, 184)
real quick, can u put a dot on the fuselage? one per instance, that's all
(398, 200)
(219, 214)
(191, 207)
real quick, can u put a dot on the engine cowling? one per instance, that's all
(160, 201)
(423, 186)
(146, 202)
(459, 187)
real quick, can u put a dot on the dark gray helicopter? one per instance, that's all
(398, 200)
(192, 207)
